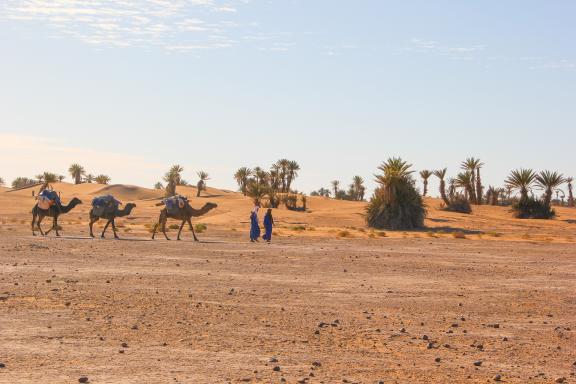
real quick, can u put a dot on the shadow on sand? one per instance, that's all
(452, 230)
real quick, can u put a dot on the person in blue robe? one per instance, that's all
(254, 226)
(268, 224)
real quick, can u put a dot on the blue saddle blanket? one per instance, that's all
(105, 201)
(175, 203)
(50, 195)
(103, 204)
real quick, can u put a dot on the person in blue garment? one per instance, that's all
(268, 224)
(254, 226)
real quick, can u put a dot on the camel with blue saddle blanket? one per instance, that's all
(49, 205)
(179, 208)
(107, 207)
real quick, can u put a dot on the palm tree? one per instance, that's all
(522, 180)
(282, 165)
(173, 178)
(76, 171)
(61, 178)
(292, 173)
(102, 179)
(242, 176)
(492, 195)
(335, 186)
(549, 181)
(89, 178)
(158, 185)
(425, 174)
(473, 166)
(396, 203)
(262, 176)
(357, 188)
(201, 186)
(274, 176)
(569, 181)
(324, 192)
(256, 190)
(2, 182)
(465, 180)
(441, 174)
(47, 178)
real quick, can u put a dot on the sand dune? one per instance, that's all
(127, 193)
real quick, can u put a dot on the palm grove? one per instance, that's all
(46, 179)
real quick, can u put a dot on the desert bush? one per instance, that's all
(174, 226)
(459, 235)
(344, 233)
(458, 204)
(200, 227)
(532, 208)
(396, 204)
(298, 228)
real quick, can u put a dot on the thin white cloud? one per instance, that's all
(119, 23)
(459, 52)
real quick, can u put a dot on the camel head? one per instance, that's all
(202, 211)
(75, 201)
(210, 206)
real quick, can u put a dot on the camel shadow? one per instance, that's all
(570, 221)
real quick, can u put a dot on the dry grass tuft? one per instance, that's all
(459, 235)
(344, 233)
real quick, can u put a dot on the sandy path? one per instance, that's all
(219, 311)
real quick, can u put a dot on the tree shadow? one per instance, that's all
(452, 230)
(441, 220)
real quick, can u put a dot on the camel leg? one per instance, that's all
(40, 218)
(92, 221)
(180, 230)
(163, 224)
(56, 225)
(105, 228)
(33, 222)
(114, 229)
(192, 228)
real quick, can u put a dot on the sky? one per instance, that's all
(128, 88)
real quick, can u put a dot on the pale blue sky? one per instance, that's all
(130, 87)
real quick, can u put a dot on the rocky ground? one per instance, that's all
(301, 310)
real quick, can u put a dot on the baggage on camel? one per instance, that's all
(175, 203)
(104, 204)
(48, 198)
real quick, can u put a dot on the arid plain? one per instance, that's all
(471, 299)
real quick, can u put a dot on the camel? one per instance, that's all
(183, 214)
(54, 211)
(110, 216)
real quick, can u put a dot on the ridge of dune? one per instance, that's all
(129, 192)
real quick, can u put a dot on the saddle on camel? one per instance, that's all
(104, 204)
(47, 198)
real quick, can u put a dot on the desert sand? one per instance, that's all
(467, 299)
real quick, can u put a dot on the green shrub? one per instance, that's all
(200, 227)
(531, 208)
(459, 204)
